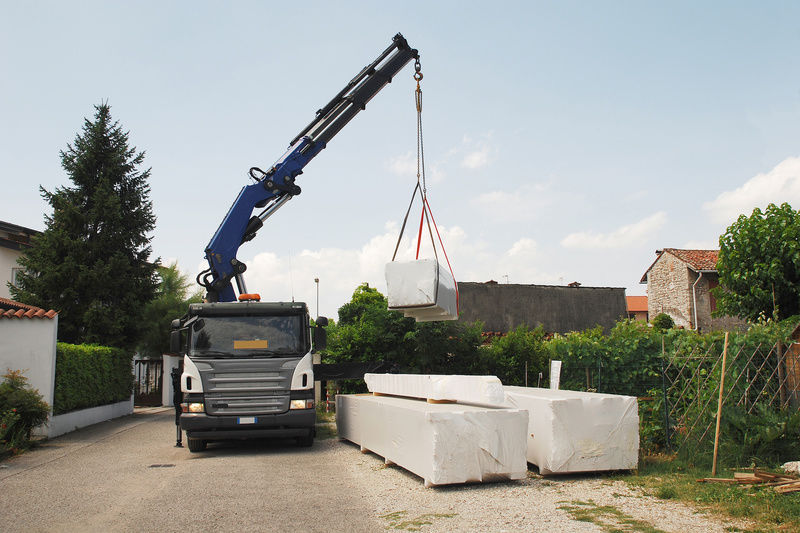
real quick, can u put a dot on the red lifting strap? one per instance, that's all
(425, 205)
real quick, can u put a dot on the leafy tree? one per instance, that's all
(171, 300)
(759, 265)
(368, 331)
(92, 261)
(445, 347)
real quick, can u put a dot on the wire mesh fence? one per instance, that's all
(678, 387)
(757, 379)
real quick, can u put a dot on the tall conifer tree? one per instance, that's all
(92, 262)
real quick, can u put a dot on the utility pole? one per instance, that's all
(316, 281)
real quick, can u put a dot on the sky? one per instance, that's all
(564, 141)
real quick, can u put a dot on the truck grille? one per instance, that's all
(248, 387)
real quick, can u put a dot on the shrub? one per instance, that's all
(90, 375)
(663, 321)
(507, 355)
(21, 409)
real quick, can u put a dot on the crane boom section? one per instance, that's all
(276, 186)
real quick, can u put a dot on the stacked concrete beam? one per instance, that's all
(572, 431)
(568, 431)
(473, 390)
(441, 441)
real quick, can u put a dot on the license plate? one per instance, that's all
(246, 420)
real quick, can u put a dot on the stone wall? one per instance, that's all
(503, 307)
(669, 290)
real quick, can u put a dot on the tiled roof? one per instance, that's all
(12, 309)
(636, 303)
(697, 260)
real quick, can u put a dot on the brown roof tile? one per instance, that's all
(695, 259)
(636, 303)
(12, 309)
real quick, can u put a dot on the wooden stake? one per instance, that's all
(719, 406)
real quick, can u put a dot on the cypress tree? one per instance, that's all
(91, 263)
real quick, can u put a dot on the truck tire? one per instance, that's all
(307, 441)
(196, 445)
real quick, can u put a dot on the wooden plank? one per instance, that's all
(788, 487)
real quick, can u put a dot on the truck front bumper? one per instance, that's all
(294, 423)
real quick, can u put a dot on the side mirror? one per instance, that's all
(320, 338)
(175, 341)
(322, 321)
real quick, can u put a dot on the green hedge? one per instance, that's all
(88, 375)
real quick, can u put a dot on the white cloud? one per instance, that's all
(524, 203)
(522, 247)
(476, 159)
(781, 184)
(341, 270)
(403, 165)
(469, 153)
(628, 235)
(701, 245)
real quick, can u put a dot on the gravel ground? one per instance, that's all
(534, 504)
(125, 475)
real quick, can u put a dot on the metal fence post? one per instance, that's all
(666, 399)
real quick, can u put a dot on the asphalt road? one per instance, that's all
(126, 475)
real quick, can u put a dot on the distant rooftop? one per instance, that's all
(15, 237)
(636, 303)
(697, 260)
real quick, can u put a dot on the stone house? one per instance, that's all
(13, 241)
(679, 283)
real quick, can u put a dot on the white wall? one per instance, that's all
(8, 261)
(29, 344)
(167, 391)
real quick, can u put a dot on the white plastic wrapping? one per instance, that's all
(441, 443)
(422, 289)
(479, 390)
(571, 431)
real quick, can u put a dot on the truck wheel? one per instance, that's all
(307, 441)
(196, 445)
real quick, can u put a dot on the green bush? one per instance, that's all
(663, 321)
(88, 375)
(21, 409)
(507, 355)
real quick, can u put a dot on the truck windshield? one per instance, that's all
(248, 336)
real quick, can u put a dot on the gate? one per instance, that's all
(148, 381)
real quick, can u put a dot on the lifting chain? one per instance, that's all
(420, 148)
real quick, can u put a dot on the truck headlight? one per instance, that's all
(194, 407)
(301, 404)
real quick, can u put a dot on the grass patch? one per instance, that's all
(326, 425)
(672, 479)
(399, 520)
(607, 517)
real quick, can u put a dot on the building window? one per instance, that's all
(15, 272)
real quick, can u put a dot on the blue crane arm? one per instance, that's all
(273, 188)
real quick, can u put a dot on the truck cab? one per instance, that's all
(247, 371)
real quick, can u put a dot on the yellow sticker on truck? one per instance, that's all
(257, 344)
